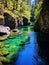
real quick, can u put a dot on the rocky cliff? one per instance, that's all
(42, 23)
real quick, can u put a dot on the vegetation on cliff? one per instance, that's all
(37, 10)
(16, 8)
(42, 16)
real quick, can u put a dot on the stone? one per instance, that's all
(4, 29)
(4, 32)
(15, 30)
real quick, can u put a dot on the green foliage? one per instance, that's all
(19, 8)
(10, 4)
(24, 8)
(37, 10)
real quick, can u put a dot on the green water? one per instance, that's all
(13, 44)
(26, 28)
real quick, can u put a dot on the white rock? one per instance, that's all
(4, 29)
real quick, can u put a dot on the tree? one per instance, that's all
(17, 8)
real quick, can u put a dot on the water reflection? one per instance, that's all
(27, 28)
(29, 55)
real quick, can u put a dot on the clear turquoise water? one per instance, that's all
(29, 54)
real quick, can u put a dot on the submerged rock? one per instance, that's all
(15, 30)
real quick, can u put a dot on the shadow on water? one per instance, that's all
(43, 42)
(30, 54)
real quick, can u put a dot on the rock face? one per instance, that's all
(25, 21)
(9, 21)
(42, 23)
(42, 26)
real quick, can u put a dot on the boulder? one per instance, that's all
(4, 29)
(4, 32)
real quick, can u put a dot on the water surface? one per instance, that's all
(29, 55)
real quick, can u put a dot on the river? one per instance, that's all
(29, 55)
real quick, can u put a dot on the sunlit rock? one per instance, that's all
(4, 29)
(4, 32)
